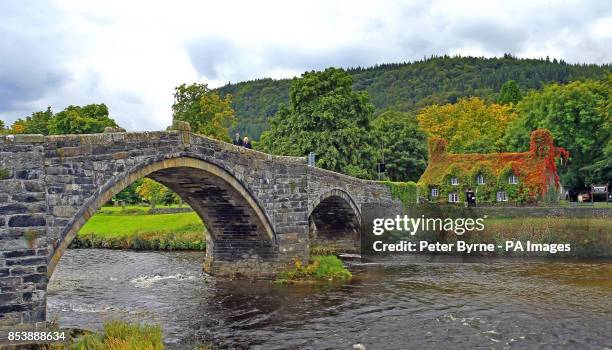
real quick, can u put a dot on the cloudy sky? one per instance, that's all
(131, 54)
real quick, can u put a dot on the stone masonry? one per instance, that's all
(256, 206)
(335, 207)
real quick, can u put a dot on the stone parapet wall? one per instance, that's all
(321, 181)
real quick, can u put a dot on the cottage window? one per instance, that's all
(454, 181)
(434, 192)
(480, 179)
(502, 197)
(453, 197)
(512, 179)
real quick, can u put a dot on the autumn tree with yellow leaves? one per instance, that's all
(469, 126)
(152, 191)
(206, 112)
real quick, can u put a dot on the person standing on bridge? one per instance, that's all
(246, 143)
(237, 140)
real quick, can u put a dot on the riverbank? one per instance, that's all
(587, 237)
(135, 227)
(586, 230)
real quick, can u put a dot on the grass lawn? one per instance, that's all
(602, 204)
(564, 203)
(589, 237)
(133, 228)
(120, 225)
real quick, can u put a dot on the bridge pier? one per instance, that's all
(254, 260)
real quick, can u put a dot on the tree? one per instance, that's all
(129, 194)
(601, 170)
(3, 128)
(578, 115)
(205, 111)
(327, 117)
(404, 145)
(88, 119)
(171, 197)
(18, 127)
(510, 93)
(152, 191)
(469, 126)
(37, 123)
(132, 195)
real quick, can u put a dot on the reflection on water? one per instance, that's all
(502, 304)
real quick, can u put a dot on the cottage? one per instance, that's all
(493, 177)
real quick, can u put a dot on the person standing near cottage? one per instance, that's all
(237, 140)
(246, 143)
(470, 197)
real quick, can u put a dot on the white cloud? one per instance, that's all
(131, 55)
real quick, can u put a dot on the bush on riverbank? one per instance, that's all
(188, 240)
(120, 335)
(320, 268)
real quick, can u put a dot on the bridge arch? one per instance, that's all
(335, 220)
(238, 229)
(54, 184)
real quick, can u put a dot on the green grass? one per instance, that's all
(564, 203)
(117, 225)
(320, 268)
(119, 335)
(133, 228)
(602, 204)
(589, 237)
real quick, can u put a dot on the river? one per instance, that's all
(500, 304)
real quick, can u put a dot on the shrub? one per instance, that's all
(406, 192)
(120, 335)
(321, 267)
(4, 174)
(89, 342)
(330, 267)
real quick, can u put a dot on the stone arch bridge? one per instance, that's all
(261, 211)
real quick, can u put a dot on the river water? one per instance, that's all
(501, 304)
